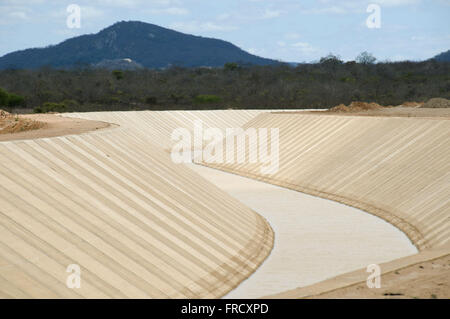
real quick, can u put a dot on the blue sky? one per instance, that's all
(287, 30)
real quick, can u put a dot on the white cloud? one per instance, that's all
(395, 3)
(305, 48)
(250, 15)
(298, 51)
(292, 36)
(11, 14)
(196, 26)
(270, 14)
(21, 2)
(135, 3)
(330, 9)
(223, 16)
(171, 11)
(398, 57)
(255, 51)
(87, 12)
(354, 3)
(117, 3)
(352, 6)
(90, 12)
(18, 15)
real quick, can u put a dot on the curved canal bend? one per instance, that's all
(315, 238)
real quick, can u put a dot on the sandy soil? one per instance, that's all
(53, 125)
(403, 112)
(391, 112)
(13, 123)
(429, 279)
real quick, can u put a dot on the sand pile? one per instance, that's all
(13, 123)
(356, 107)
(3, 114)
(412, 104)
(437, 103)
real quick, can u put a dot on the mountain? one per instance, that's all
(118, 64)
(146, 44)
(443, 57)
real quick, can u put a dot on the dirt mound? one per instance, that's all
(339, 108)
(437, 103)
(412, 104)
(13, 123)
(356, 107)
(3, 114)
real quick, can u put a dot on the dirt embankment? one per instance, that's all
(10, 124)
(437, 103)
(358, 107)
(355, 107)
(374, 108)
(426, 280)
(412, 104)
(21, 127)
(432, 108)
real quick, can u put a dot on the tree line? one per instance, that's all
(321, 85)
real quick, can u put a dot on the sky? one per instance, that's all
(286, 30)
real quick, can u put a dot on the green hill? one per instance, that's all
(146, 44)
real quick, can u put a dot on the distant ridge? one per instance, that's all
(146, 44)
(443, 57)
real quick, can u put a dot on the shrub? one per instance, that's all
(50, 107)
(175, 98)
(151, 100)
(3, 97)
(331, 59)
(231, 66)
(16, 100)
(114, 100)
(11, 99)
(37, 109)
(365, 58)
(205, 98)
(70, 104)
(348, 79)
(305, 86)
(118, 74)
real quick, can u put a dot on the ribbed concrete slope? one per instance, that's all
(138, 225)
(395, 168)
(158, 125)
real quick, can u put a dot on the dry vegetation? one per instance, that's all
(435, 107)
(355, 107)
(10, 123)
(321, 85)
(412, 104)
